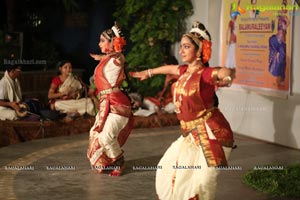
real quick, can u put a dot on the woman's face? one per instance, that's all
(105, 45)
(253, 2)
(66, 69)
(187, 50)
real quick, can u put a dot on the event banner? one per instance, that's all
(256, 42)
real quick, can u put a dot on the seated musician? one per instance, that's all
(10, 93)
(13, 105)
(65, 92)
(163, 101)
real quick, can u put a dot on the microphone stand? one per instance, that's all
(85, 115)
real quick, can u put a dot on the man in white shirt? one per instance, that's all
(10, 93)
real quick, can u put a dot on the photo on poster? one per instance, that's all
(256, 42)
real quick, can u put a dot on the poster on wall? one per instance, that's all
(256, 43)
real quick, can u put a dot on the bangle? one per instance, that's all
(150, 74)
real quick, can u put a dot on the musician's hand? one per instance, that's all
(68, 91)
(15, 106)
(75, 95)
(142, 75)
(65, 97)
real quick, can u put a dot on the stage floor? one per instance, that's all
(57, 168)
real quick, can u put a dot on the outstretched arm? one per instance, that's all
(167, 69)
(97, 57)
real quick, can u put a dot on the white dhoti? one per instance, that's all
(75, 105)
(8, 114)
(184, 173)
(169, 108)
(150, 105)
(106, 142)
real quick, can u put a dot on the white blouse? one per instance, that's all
(111, 72)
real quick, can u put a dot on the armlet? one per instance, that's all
(214, 75)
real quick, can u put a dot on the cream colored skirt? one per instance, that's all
(77, 105)
(184, 173)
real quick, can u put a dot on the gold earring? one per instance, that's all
(198, 56)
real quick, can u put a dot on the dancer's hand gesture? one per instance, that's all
(96, 56)
(142, 75)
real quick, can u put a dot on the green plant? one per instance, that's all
(282, 183)
(153, 26)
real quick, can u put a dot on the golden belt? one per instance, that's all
(109, 90)
(186, 127)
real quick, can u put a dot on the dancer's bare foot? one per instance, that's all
(119, 167)
(118, 171)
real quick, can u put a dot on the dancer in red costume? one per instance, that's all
(188, 167)
(114, 120)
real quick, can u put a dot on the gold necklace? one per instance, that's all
(179, 93)
(178, 102)
(193, 68)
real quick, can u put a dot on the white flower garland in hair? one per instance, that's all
(202, 33)
(116, 31)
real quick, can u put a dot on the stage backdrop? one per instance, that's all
(256, 42)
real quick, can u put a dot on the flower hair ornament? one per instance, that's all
(116, 29)
(206, 51)
(205, 39)
(199, 28)
(118, 41)
(116, 37)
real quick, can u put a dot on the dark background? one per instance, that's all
(54, 30)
